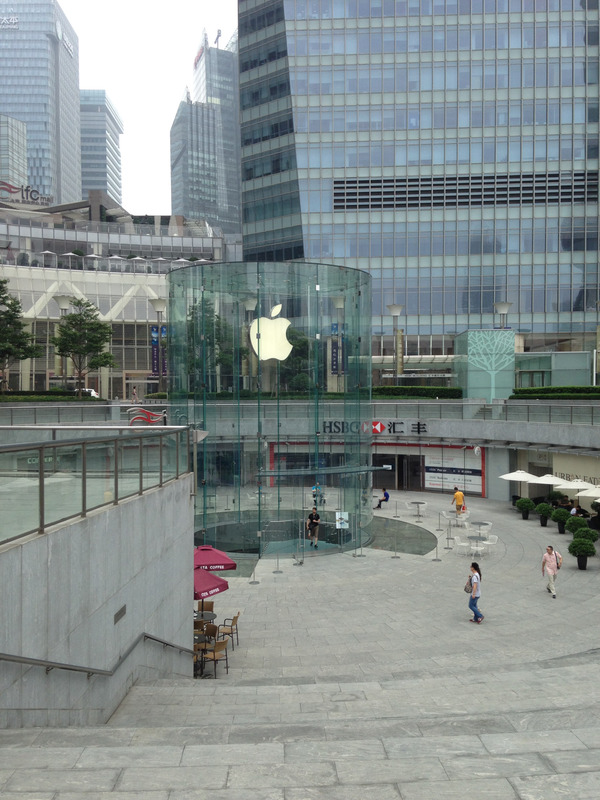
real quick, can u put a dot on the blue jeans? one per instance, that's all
(473, 606)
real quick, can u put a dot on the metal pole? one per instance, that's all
(436, 553)
(277, 571)
(396, 515)
(396, 545)
(439, 528)
(448, 538)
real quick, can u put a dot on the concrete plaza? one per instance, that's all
(362, 677)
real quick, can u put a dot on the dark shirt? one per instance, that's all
(386, 497)
(313, 519)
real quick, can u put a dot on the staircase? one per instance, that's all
(359, 678)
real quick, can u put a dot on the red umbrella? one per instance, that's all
(207, 557)
(205, 584)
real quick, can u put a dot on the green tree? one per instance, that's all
(82, 337)
(16, 344)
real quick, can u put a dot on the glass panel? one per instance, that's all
(128, 456)
(100, 474)
(19, 492)
(151, 455)
(62, 482)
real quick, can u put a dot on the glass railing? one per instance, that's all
(44, 483)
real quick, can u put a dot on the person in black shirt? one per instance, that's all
(312, 526)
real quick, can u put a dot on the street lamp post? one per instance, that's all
(64, 303)
(395, 310)
(502, 309)
(160, 306)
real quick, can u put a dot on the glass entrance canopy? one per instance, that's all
(272, 360)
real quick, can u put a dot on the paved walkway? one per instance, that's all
(363, 678)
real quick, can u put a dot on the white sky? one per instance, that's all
(142, 53)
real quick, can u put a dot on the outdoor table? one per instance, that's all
(418, 504)
(479, 525)
(207, 616)
(477, 538)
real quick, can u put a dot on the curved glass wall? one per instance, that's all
(272, 360)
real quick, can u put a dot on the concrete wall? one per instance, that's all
(59, 594)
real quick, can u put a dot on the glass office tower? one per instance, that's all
(205, 142)
(13, 152)
(101, 128)
(450, 147)
(39, 85)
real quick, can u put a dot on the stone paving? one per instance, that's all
(362, 677)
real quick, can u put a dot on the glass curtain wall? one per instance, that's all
(273, 362)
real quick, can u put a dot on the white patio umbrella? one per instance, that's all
(589, 492)
(519, 476)
(576, 484)
(548, 479)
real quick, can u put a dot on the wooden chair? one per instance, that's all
(211, 631)
(209, 605)
(229, 628)
(218, 653)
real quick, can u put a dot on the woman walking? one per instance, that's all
(475, 592)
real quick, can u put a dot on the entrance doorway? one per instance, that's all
(406, 473)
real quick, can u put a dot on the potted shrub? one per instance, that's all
(586, 533)
(555, 497)
(560, 516)
(525, 505)
(582, 548)
(545, 512)
(575, 524)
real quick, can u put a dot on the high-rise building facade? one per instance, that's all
(39, 85)
(205, 142)
(13, 152)
(101, 128)
(449, 147)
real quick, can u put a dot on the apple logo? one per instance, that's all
(271, 336)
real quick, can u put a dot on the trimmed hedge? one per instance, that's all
(560, 392)
(432, 392)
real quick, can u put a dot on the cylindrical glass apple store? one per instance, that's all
(271, 362)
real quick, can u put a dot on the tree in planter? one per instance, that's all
(586, 533)
(582, 549)
(555, 497)
(560, 516)
(574, 524)
(16, 344)
(545, 512)
(82, 337)
(525, 505)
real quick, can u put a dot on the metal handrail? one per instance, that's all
(50, 665)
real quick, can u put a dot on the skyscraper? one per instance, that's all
(450, 147)
(205, 143)
(39, 85)
(13, 151)
(100, 149)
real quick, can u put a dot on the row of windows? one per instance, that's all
(271, 164)
(449, 76)
(470, 150)
(441, 38)
(270, 89)
(441, 116)
(263, 53)
(262, 132)
(463, 238)
(470, 297)
(374, 9)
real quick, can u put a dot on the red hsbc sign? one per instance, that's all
(378, 427)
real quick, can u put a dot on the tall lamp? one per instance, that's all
(395, 310)
(160, 306)
(64, 303)
(502, 309)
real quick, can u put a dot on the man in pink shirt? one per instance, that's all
(551, 563)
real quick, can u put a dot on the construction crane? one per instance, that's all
(218, 37)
